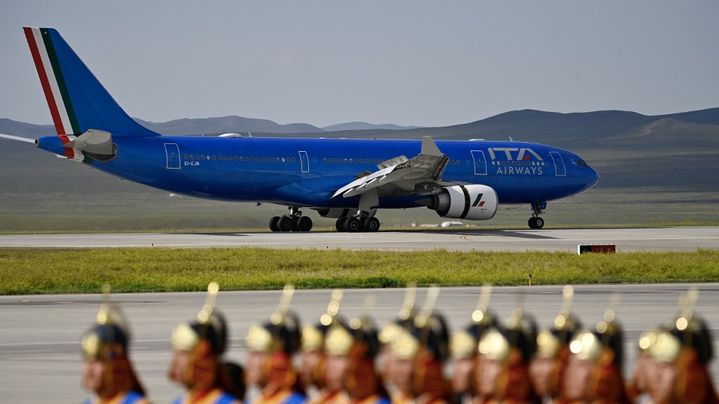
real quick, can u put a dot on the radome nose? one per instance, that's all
(593, 178)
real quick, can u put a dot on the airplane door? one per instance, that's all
(304, 162)
(559, 169)
(172, 154)
(480, 163)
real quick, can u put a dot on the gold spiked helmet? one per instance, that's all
(281, 333)
(405, 317)
(686, 330)
(313, 336)
(209, 326)
(360, 331)
(109, 336)
(464, 342)
(519, 334)
(566, 324)
(564, 327)
(428, 331)
(607, 335)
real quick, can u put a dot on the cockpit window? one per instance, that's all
(581, 163)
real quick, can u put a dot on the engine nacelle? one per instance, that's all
(333, 212)
(473, 202)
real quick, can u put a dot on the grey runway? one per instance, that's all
(650, 239)
(40, 353)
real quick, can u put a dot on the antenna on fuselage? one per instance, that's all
(510, 139)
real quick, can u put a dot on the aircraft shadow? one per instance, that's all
(485, 232)
(222, 234)
(466, 232)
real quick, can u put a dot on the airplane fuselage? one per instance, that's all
(307, 171)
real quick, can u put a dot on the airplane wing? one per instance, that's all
(17, 138)
(400, 175)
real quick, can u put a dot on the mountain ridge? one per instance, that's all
(525, 124)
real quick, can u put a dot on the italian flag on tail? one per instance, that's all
(53, 85)
(78, 102)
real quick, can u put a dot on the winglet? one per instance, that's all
(429, 148)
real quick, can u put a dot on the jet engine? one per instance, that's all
(473, 202)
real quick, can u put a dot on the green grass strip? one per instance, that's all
(33, 271)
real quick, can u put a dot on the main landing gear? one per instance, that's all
(293, 221)
(357, 223)
(536, 222)
(363, 220)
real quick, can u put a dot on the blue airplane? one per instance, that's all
(347, 179)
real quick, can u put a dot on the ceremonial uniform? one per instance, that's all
(197, 362)
(594, 371)
(420, 353)
(502, 369)
(321, 386)
(351, 350)
(552, 356)
(393, 372)
(272, 346)
(107, 370)
(463, 348)
(681, 353)
(644, 367)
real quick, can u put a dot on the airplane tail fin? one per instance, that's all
(77, 100)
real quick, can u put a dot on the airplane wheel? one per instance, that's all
(273, 223)
(285, 223)
(340, 224)
(371, 224)
(536, 222)
(304, 224)
(353, 225)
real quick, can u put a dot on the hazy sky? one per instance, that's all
(406, 62)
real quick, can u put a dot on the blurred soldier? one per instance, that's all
(312, 356)
(594, 371)
(682, 356)
(550, 361)
(232, 379)
(464, 345)
(420, 354)
(107, 370)
(271, 347)
(351, 352)
(386, 361)
(644, 368)
(502, 370)
(197, 364)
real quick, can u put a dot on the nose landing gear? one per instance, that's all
(293, 221)
(536, 222)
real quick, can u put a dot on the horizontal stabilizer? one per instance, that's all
(17, 138)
